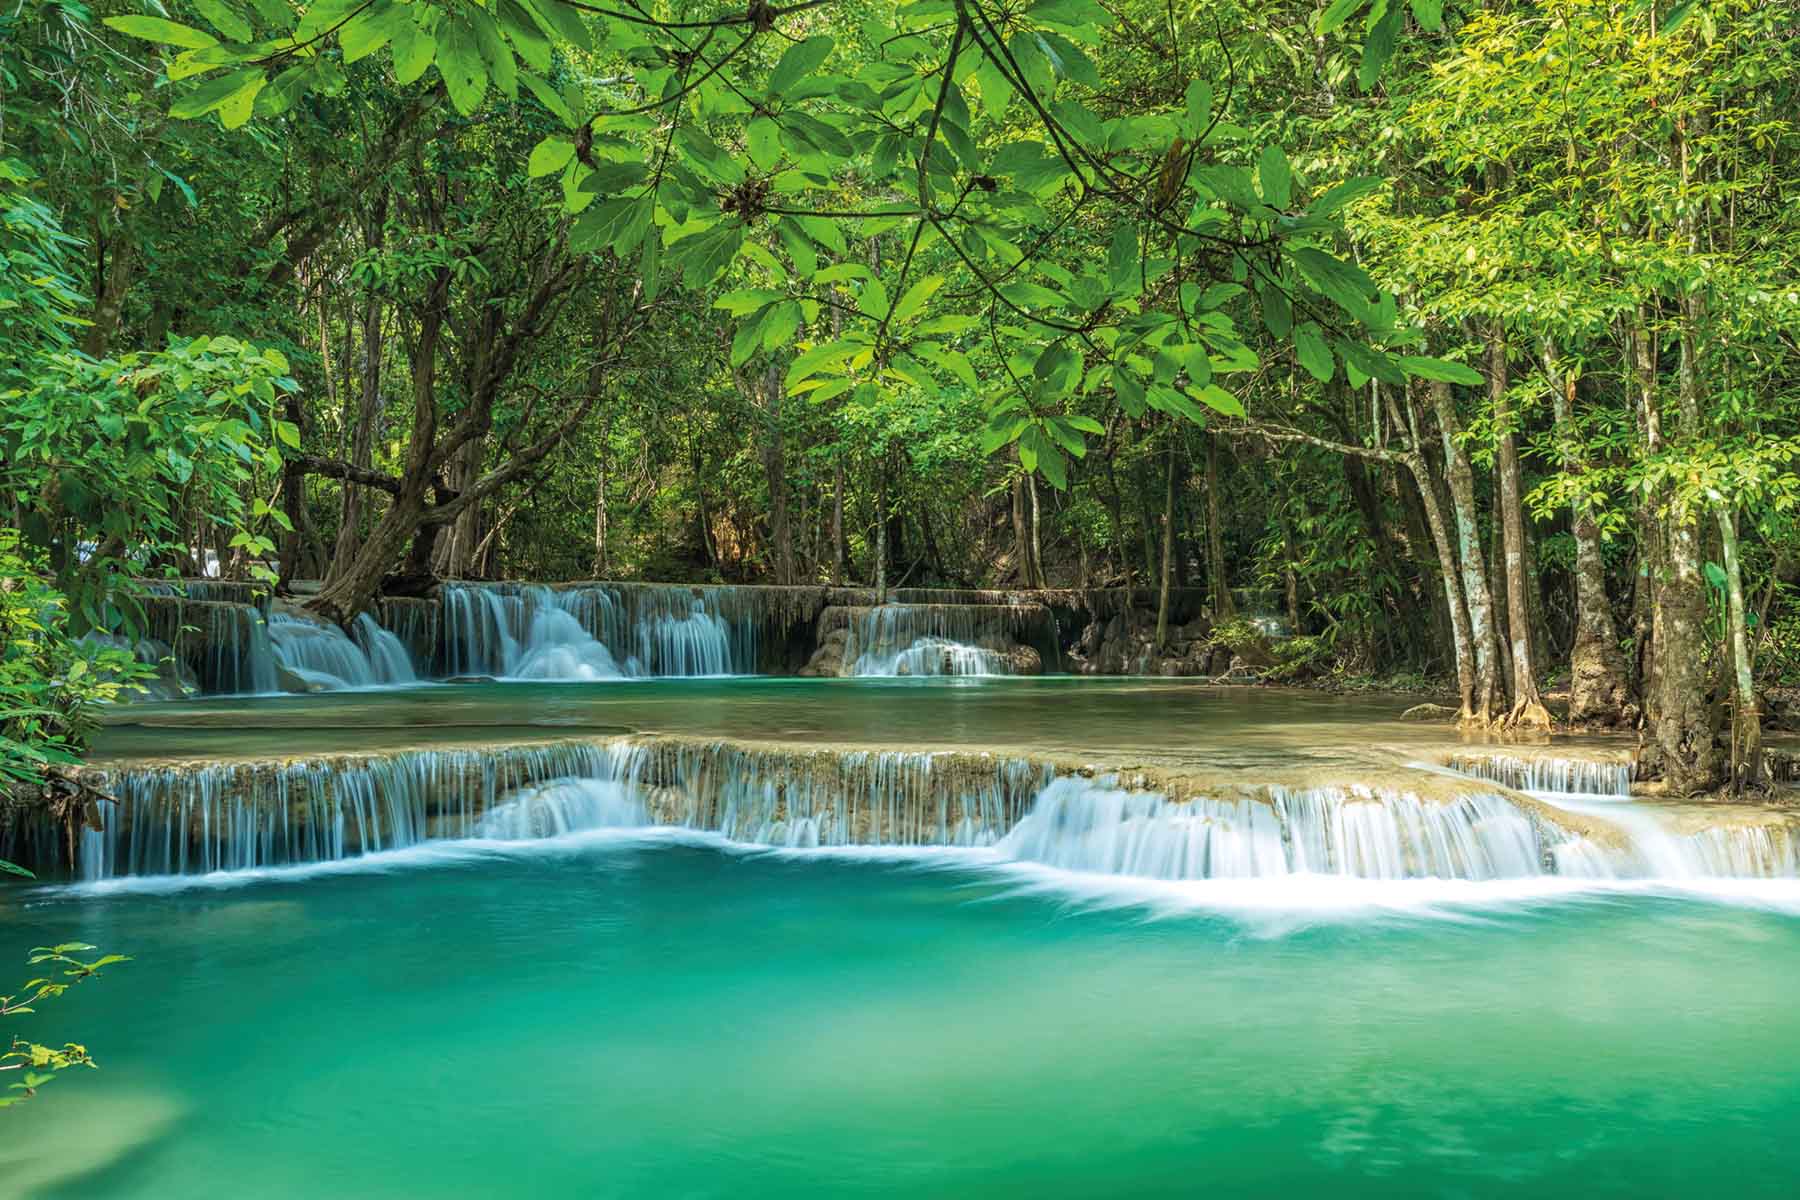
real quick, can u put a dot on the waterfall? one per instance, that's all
(1544, 774)
(937, 639)
(1095, 826)
(596, 631)
(240, 815)
(237, 816)
(1659, 846)
(563, 806)
(320, 655)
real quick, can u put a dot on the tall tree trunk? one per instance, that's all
(881, 533)
(1473, 564)
(1164, 593)
(109, 303)
(1599, 683)
(1683, 751)
(368, 415)
(1528, 711)
(1462, 639)
(1746, 764)
(1218, 579)
(1646, 619)
(837, 523)
(1037, 537)
(601, 566)
(1496, 563)
(1115, 510)
(1024, 544)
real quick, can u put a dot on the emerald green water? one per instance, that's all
(619, 1016)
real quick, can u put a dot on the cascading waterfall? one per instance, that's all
(321, 656)
(1545, 774)
(1659, 847)
(1095, 826)
(238, 816)
(593, 632)
(934, 639)
(187, 820)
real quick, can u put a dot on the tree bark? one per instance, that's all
(1217, 577)
(368, 416)
(1164, 592)
(1746, 760)
(1682, 747)
(600, 565)
(1473, 564)
(1528, 711)
(109, 304)
(837, 523)
(1599, 683)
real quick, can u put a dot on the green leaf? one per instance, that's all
(322, 16)
(916, 297)
(546, 95)
(1336, 13)
(1220, 400)
(1122, 260)
(1349, 286)
(763, 138)
(1429, 14)
(1445, 372)
(1277, 177)
(237, 108)
(413, 51)
(1230, 184)
(288, 432)
(1198, 101)
(559, 22)
(549, 156)
(213, 93)
(372, 29)
(167, 33)
(459, 63)
(798, 62)
(1314, 354)
(1343, 195)
(1378, 49)
(224, 20)
(530, 41)
(1130, 391)
(1675, 19)
(15, 869)
(873, 299)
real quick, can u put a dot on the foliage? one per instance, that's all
(41, 1064)
(51, 685)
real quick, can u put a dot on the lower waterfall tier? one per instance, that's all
(180, 819)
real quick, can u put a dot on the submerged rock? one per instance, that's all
(1429, 712)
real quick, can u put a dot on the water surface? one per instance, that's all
(641, 1015)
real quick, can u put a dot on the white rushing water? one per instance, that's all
(258, 815)
(1094, 826)
(1657, 848)
(936, 639)
(323, 656)
(590, 633)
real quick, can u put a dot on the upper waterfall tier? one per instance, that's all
(233, 638)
